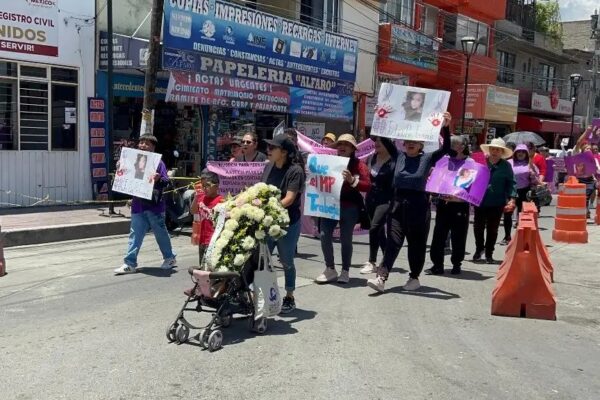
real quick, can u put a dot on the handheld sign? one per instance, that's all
(581, 165)
(409, 113)
(324, 185)
(136, 172)
(235, 177)
(464, 179)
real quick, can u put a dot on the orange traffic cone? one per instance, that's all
(523, 287)
(2, 260)
(570, 225)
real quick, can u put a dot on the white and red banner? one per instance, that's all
(29, 26)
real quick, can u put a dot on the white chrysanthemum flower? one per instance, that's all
(226, 234)
(222, 268)
(261, 186)
(252, 193)
(260, 235)
(273, 188)
(221, 243)
(239, 260)
(258, 215)
(267, 221)
(248, 243)
(274, 230)
(231, 225)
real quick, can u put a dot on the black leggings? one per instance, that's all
(409, 218)
(521, 197)
(377, 237)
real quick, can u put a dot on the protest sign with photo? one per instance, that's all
(324, 185)
(409, 113)
(464, 179)
(581, 165)
(234, 177)
(135, 173)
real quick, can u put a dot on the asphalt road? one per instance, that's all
(69, 329)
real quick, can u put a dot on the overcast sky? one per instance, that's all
(576, 10)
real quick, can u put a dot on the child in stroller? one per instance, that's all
(223, 294)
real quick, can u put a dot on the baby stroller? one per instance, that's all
(223, 294)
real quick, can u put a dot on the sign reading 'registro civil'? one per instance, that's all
(29, 26)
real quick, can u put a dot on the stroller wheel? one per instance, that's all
(215, 340)
(171, 328)
(182, 333)
(203, 338)
(259, 326)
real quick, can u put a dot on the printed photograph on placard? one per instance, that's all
(411, 113)
(135, 172)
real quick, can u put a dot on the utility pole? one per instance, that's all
(109, 104)
(595, 27)
(152, 67)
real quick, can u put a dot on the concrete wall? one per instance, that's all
(60, 175)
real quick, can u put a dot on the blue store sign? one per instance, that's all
(128, 85)
(222, 29)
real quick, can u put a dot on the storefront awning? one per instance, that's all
(535, 124)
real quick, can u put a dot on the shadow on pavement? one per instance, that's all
(469, 276)
(423, 291)
(157, 272)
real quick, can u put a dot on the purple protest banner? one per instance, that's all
(234, 177)
(306, 144)
(464, 179)
(580, 165)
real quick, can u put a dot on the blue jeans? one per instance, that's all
(139, 226)
(348, 219)
(286, 247)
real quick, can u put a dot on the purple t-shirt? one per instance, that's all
(522, 173)
(138, 205)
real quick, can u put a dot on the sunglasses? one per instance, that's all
(247, 141)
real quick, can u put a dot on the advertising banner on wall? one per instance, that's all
(98, 147)
(29, 27)
(224, 91)
(243, 34)
(411, 47)
(127, 52)
(489, 102)
(551, 103)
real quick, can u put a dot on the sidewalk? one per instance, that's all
(53, 224)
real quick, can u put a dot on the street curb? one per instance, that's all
(65, 232)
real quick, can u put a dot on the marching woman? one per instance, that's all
(381, 166)
(451, 217)
(526, 176)
(499, 197)
(410, 212)
(286, 173)
(356, 181)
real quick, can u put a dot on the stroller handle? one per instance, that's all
(217, 275)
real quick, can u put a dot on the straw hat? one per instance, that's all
(348, 138)
(499, 144)
(330, 136)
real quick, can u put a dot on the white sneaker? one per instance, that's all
(329, 275)
(411, 284)
(377, 284)
(368, 268)
(344, 277)
(168, 264)
(125, 269)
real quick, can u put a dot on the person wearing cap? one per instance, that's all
(526, 176)
(410, 212)
(356, 181)
(451, 218)
(328, 140)
(499, 197)
(149, 214)
(235, 147)
(250, 149)
(284, 172)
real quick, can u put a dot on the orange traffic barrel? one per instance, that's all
(570, 225)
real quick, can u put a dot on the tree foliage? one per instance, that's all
(547, 18)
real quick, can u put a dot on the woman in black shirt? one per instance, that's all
(282, 171)
(381, 167)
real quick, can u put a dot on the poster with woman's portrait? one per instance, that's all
(135, 172)
(410, 113)
(581, 165)
(464, 179)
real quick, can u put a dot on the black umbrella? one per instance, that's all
(524, 137)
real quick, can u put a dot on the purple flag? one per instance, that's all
(464, 179)
(581, 165)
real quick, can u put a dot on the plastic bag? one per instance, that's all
(267, 299)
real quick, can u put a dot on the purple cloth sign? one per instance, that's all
(464, 179)
(581, 165)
